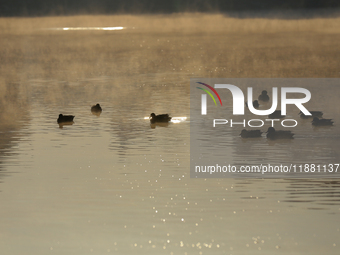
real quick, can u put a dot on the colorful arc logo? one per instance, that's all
(208, 92)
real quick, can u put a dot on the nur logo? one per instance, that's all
(239, 102)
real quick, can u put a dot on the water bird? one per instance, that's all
(280, 134)
(317, 114)
(276, 115)
(65, 118)
(96, 108)
(322, 122)
(264, 97)
(250, 133)
(255, 104)
(159, 118)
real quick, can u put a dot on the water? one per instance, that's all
(112, 184)
(313, 153)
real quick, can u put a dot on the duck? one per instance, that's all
(96, 108)
(317, 114)
(264, 97)
(65, 118)
(322, 122)
(276, 115)
(159, 118)
(280, 134)
(255, 104)
(250, 133)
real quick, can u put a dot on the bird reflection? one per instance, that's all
(62, 124)
(158, 124)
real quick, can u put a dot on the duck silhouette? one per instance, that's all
(250, 133)
(159, 118)
(255, 104)
(276, 115)
(96, 109)
(322, 122)
(317, 114)
(264, 97)
(280, 134)
(65, 118)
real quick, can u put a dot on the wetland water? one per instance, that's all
(113, 184)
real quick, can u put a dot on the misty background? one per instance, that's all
(72, 7)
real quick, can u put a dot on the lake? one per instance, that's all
(115, 184)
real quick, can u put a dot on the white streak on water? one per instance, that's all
(85, 28)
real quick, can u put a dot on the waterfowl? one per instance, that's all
(65, 118)
(280, 134)
(96, 108)
(255, 104)
(276, 115)
(322, 122)
(159, 118)
(317, 114)
(250, 133)
(264, 97)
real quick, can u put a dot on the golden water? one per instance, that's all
(111, 184)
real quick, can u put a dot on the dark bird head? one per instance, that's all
(152, 115)
(264, 92)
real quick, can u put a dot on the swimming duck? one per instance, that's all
(276, 115)
(250, 133)
(317, 114)
(322, 122)
(280, 134)
(264, 97)
(65, 118)
(159, 118)
(255, 104)
(96, 108)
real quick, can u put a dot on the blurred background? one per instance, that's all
(71, 7)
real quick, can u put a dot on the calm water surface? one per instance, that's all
(313, 148)
(112, 184)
